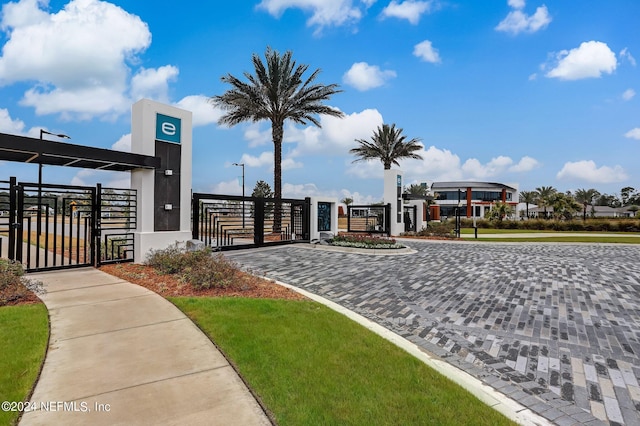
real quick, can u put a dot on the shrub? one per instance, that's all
(365, 241)
(435, 229)
(14, 287)
(199, 268)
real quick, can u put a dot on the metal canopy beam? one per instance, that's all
(32, 150)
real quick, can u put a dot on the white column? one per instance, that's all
(144, 133)
(393, 182)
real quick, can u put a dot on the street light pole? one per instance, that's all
(39, 211)
(243, 215)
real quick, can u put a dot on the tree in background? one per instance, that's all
(586, 198)
(629, 196)
(545, 194)
(388, 145)
(608, 200)
(499, 211)
(528, 197)
(347, 200)
(262, 190)
(417, 190)
(564, 206)
(276, 93)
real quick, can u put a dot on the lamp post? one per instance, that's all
(39, 211)
(243, 215)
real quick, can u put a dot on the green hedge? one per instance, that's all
(595, 225)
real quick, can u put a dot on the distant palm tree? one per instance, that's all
(387, 145)
(586, 197)
(347, 201)
(545, 195)
(417, 189)
(528, 197)
(276, 92)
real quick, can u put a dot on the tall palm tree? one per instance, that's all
(276, 92)
(388, 145)
(528, 197)
(545, 195)
(586, 197)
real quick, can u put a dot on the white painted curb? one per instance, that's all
(494, 399)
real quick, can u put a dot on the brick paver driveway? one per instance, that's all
(554, 326)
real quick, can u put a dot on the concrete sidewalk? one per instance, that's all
(121, 354)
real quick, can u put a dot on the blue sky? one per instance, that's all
(534, 93)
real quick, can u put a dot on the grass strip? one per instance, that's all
(311, 365)
(24, 332)
(561, 239)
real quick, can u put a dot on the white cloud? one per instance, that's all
(586, 170)
(633, 133)
(80, 58)
(590, 60)
(363, 76)
(425, 51)
(257, 137)
(123, 144)
(526, 164)
(9, 125)
(336, 136)
(231, 187)
(109, 179)
(266, 159)
(203, 112)
(153, 83)
(410, 10)
(324, 13)
(474, 169)
(517, 21)
(625, 54)
(628, 94)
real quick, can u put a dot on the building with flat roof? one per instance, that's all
(475, 198)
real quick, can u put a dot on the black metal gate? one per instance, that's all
(226, 222)
(48, 227)
(372, 219)
(410, 213)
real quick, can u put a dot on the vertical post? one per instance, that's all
(258, 224)
(96, 227)
(13, 224)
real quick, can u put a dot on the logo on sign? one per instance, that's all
(167, 128)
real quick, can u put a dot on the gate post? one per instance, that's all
(12, 217)
(258, 221)
(164, 203)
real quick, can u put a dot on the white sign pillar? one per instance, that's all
(164, 194)
(393, 195)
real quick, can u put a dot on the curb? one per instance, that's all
(494, 399)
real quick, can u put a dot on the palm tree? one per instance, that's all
(387, 145)
(347, 201)
(586, 197)
(545, 195)
(528, 197)
(276, 92)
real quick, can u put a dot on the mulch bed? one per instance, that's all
(245, 285)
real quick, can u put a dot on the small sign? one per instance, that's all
(168, 128)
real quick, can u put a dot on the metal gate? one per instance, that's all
(372, 219)
(226, 222)
(410, 214)
(48, 227)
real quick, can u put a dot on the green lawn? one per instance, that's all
(24, 331)
(313, 366)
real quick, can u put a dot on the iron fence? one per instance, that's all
(226, 222)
